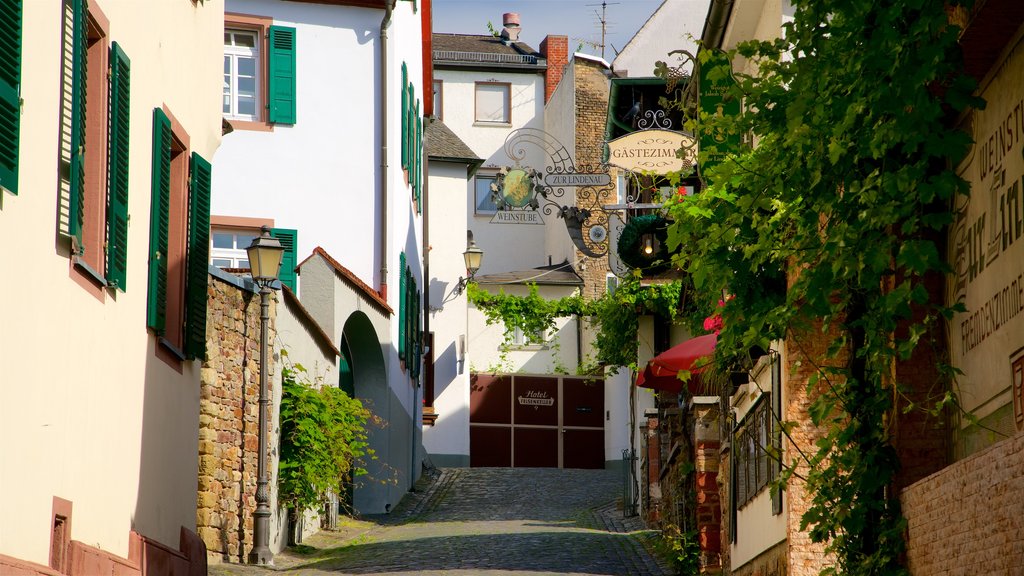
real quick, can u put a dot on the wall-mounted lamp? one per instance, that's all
(651, 244)
(474, 257)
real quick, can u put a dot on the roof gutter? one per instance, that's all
(384, 23)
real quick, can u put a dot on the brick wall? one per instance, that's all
(804, 351)
(969, 518)
(556, 50)
(228, 420)
(709, 504)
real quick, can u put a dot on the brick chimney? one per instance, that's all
(556, 50)
(510, 32)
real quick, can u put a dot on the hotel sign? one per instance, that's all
(657, 151)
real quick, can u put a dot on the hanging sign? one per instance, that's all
(657, 151)
(715, 100)
(570, 180)
(517, 217)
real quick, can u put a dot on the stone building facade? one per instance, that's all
(229, 418)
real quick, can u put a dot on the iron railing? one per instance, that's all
(458, 56)
(630, 498)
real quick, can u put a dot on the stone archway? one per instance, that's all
(370, 383)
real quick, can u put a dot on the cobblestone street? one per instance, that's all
(487, 521)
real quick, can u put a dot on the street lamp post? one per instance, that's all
(265, 254)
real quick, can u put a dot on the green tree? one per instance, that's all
(849, 190)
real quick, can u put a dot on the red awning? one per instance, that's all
(662, 372)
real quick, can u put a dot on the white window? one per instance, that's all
(493, 102)
(241, 75)
(228, 250)
(438, 96)
(519, 338)
(485, 204)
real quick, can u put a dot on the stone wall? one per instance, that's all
(228, 420)
(771, 562)
(969, 518)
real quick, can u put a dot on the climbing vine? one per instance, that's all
(848, 190)
(323, 434)
(614, 316)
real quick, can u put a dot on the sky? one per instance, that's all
(577, 19)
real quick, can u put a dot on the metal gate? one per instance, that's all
(536, 421)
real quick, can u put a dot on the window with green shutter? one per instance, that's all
(117, 169)
(158, 224)
(410, 318)
(417, 335)
(10, 98)
(405, 115)
(289, 239)
(281, 72)
(402, 303)
(198, 257)
(79, 79)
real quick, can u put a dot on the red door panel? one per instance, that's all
(536, 448)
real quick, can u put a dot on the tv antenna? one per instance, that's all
(602, 18)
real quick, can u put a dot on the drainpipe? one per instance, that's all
(388, 9)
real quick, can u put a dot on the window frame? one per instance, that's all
(259, 25)
(234, 53)
(483, 175)
(186, 223)
(508, 104)
(754, 470)
(235, 252)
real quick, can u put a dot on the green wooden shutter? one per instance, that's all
(402, 297)
(281, 85)
(405, 115)
(410, 311)
(79, 58)
(10, 98)
(413, 181)
(198, 260)
(419, 160)
(289, 239)
(411, 121)
(417, 335)
(117, 169)
(156, 300)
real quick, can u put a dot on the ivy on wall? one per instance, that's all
(849, 190)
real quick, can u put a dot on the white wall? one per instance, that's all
(560, 123)
(89, 414)
(506, 246)
(676, 25)
(447, 441)
(322, 174)
(557, 355)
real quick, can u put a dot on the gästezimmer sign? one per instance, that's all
(653, 151)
